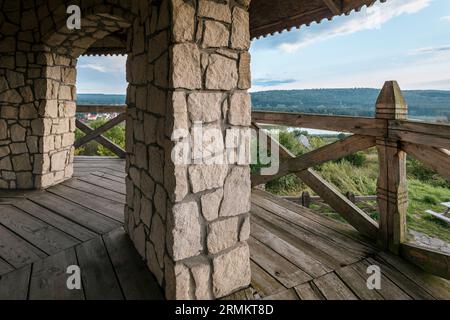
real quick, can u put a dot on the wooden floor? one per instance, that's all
(295, 253)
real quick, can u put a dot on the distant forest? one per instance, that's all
(354, 102)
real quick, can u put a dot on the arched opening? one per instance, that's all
(100, 31)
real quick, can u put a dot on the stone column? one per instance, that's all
(37, 111)
(190, 221)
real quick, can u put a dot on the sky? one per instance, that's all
(403, 40)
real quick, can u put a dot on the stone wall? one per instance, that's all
(36, 118)
(189, 67)
(38, 56)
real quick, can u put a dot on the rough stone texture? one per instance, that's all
(205, 106)
(239, 113)
(211, 204)
(186, 66)
(244, 233)
(237, 191)
(221, 73)
(240, 33)
(214, 10)
(216, 35)
(231, 271)
(222, 234)
(185, 236)
(204, 177)
(183, 20)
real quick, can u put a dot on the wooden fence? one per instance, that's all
(97, 134)
(394, 136)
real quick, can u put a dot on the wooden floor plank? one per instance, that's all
(296, 256)
(337, 239)
(49, 278)
(75, 230)
(439, 288)
(108, 176)
(332, 288)
(14, 285)
(99, 279)
(98, 191)
(287, 294)
(389, 290)
(118, 173)
(41, 235)
(263, 282)
(274, 264)
(134, 277)
(5, 267)
(244, 294)
(104, 183)
(16, 251)
(407, 285)
(83, 216)
(308, 291)
(109, 208)
(340, 227)
(357, 283)
(303, 240)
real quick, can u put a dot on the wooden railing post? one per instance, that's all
(306, 199)
(392, 193)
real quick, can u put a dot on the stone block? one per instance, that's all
(221, 73)
(184, 231)
(186, 70)
(237, 191)
(211, 204)
(222, 235)
(239, 113)
(216, 35)
(205, 106)
(231, 271)
(204, 177)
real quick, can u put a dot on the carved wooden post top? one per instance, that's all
(390, 103)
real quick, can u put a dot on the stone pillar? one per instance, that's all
(37, 123)
(190, 221)
(37, 111)
(392, 191)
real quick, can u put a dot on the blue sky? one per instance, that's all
(404, 40)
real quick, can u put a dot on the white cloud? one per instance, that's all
(104, 64)
(447, 18)
(368, 19)
(429, 72)
(431, 50)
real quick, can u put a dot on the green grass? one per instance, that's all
(422, 197)
(426, 189)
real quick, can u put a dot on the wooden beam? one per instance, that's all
(334, 8)
(102, 140)
(434, 158)
(334, 151)
(349, 211)
(336, 200)
(357, 125)
(429, 134)
(94, 108)
(432, 261)
(97, 132)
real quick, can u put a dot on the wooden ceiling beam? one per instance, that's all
(331, 4)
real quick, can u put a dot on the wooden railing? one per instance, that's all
(394, 136)
(97, 134)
